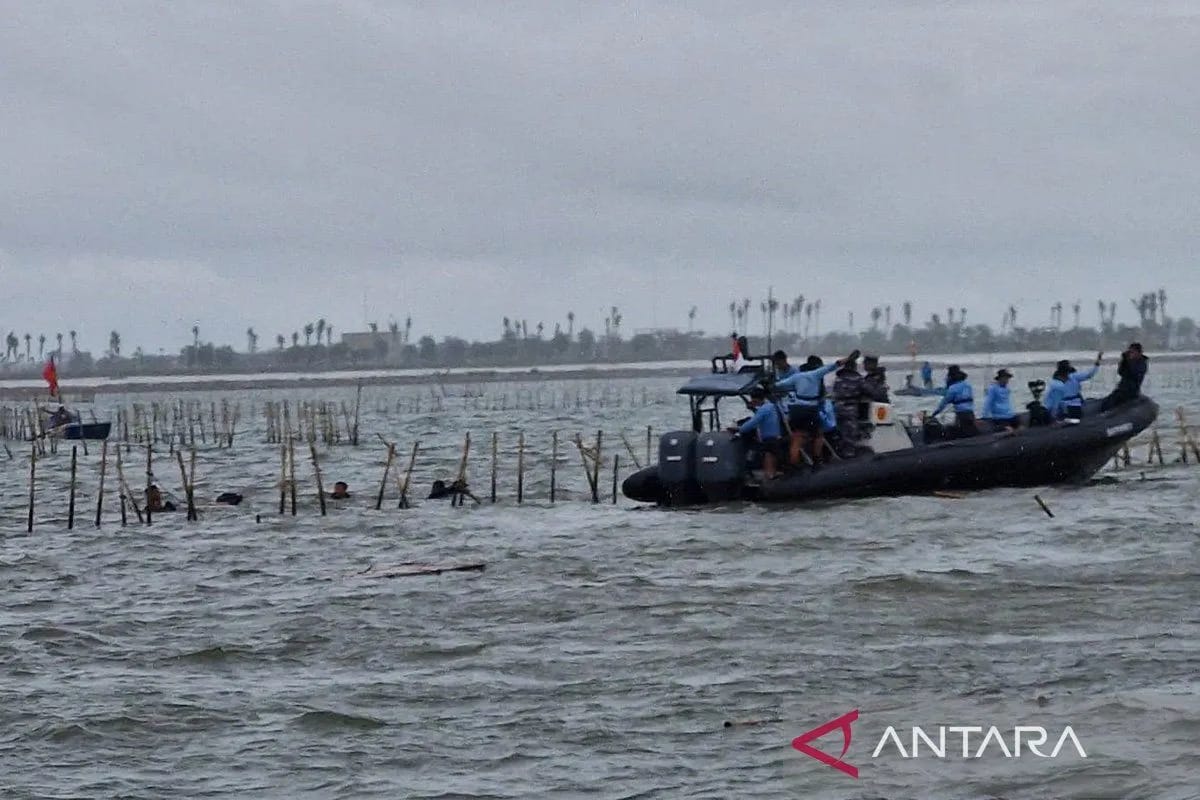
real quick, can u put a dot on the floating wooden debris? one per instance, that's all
(1045, 507)
(408, 569)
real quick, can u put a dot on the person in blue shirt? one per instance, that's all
(1064, 397)
(805, 390)
(783, 369)
(958, 394)
(768, 423)
(997, 403)
(927, 375)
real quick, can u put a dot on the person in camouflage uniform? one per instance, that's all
(848, 392)
(875, 386)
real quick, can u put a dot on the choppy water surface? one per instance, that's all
(604, 646)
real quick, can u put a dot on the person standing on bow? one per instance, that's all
(958, 394)
(997, 403)
(1064, 398)
(1131, 370)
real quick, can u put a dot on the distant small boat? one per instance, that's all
(74, 427)
(919, 391)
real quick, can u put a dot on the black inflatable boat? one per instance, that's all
(708, 465)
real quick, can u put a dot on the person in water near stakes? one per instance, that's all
(768, 423)
(805, 391)
(1064, 397)
(997, 403)
(958, 394)
(341, 491)
(155, 502)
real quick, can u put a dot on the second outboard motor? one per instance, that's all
(677, 468)
(721, 465)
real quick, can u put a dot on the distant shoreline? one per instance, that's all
(26, 389)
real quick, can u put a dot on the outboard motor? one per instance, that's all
(721, 465)
(677, 468)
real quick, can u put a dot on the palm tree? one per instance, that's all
(41, 346)
(251, 340)
(308, 332)
(320, 329)
(59, 338)
(281, 341)
(616, 320)
(808, 312)
(74, 346)
(540, 328)
(962, 317)
(507, 327)
(393, 329)
(329, 335)
(570, 324)
(114, 344)
(950, 317)
(373, 327)
(407, 327)
(906, 312)
(887, 317)
(850, 320)
(1076, 307)
(295, 338)
(733, 315)
(1162, 305)
(28, 347)
(876, 313)
(817, 322)
(1103, 317)
(691, 318)
(196, 337)
(1012, 317)
(741, 315)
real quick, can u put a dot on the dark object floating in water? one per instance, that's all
(411, 568)
(709, 465)
(229, 498)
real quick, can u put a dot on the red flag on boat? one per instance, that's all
(50, 374)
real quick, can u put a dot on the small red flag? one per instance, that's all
(50, 374)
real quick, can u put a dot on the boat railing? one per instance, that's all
(724, 364)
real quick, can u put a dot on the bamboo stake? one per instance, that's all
(596, 468)
(553, 464)
(291, 451)
(616, 462)
(32, 473)
(649, 443)
(391, 455)
(103, 469)
(126, 493)
(495, 457)
(629, 449)
(312, 448)
(149, 479)
(184, 478)
(282, 478)
(412, 460)
(520, 467)
(357, 403)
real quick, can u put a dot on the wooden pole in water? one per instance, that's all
(184, 478)
(412, 460)
(149, 479)
(357, 403)
(282, 478)
(32, 475)
(649, 443)
(596, 468)
(462, 468)
(495, 459)
(391, 455)
(291, 451)
(629, 448)
(616, 462)
(553, 464)
(520, 467)
(126, 492)
(71, 492)
(312, 448)
(103, 469)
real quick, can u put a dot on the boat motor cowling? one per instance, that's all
(677, 467)
(721, 465)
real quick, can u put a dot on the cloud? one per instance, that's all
(459, 162)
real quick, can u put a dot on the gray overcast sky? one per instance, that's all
(269, 163)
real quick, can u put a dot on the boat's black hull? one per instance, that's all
(87, 430)
(1029, 457)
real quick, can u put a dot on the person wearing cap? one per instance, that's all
(805, 389)
(1131, 371)
(997, 403)
(768, 422)
(1064, 397)
(958, 394)
(783, 369)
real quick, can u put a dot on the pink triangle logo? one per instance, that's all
(843, 723)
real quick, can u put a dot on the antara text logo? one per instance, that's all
(944, 741)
